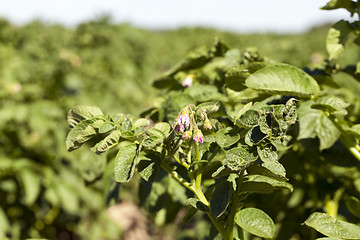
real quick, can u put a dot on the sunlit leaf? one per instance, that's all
(225, 138)
(210, 107)
(239, 158)
(283, 79)
(277, 184)
(82, 132)
(155, 137)
(79, 113)
(314, 123)
(108, 142)
(249, 119)
(125, 162)
(330, 103)
(332, 227)
(336, 39)
(256, 222)
(256, 169)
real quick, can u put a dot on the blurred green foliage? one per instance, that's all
(47, 69)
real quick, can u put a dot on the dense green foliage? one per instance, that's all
(45, 70)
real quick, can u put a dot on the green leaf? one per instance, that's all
(203, 93)
(308, 118)
(314, 123)
(275, 167)
(249, 119)
(332, 227)
(353, 204)
(155, 137)
(336, 39)
(327, 132)
(127, 124)
(355, 130)
(239, 158)
(153, 195)
(290, 111)
(32, 185)
(283, 79)
(163, 127)
(254, 136)
(125, 162)
(170, 108)
(108, 142)
(195, 203)
(256, 169)
(196, 58)
(80, 113)
(225, 138)
(141, 123)
(177, 192)
(267, 153)
(330, 104)
(68, 197)
(210, 107)
(336, 4)
(243, 96)
(220, 199)
(256, 222)
(277, 184)
(106, 127)
(166, 82)
(148, 167)
(235, 77)
(257, 187)
(348, 82)
(82, 132)
(220, 170)
(233, 179)
(245, 108)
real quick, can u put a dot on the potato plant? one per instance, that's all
(229, 127)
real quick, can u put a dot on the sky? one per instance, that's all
(231, 15)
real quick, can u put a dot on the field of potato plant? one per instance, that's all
(229, 143)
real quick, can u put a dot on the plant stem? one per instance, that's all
(196, 190)
(200, 195)
(234, 207)
(176, 176)
(182, 163)
(198, 178)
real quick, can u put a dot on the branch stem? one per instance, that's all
(234, 207)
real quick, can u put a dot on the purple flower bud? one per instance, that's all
(179, 128)
(187, 135)
(198, 137)
(184, 118)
